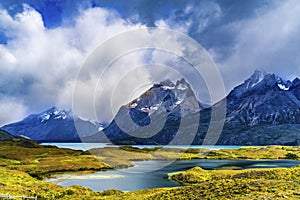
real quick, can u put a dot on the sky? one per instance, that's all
(43, 45)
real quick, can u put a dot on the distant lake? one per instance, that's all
(77, 146)
(86, 146)
(130, 179)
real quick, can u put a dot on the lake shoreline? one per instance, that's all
(114, 178)
(262, 157)
(218, 153)
(85, 146)
(27, 165)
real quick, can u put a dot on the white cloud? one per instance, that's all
(105, 93)
(269, 41)
(39, 65)
(11, 110)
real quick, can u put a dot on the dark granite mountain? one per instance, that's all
(265, 99)
(53, 126)
(155, 116)
(264, 110)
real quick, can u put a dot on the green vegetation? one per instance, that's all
(19, 183)
(265, 152)
(119, 157)
(24, 164)
(43, 161)
(277, 183)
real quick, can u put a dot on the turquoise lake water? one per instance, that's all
(152, 174)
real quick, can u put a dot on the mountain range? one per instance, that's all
(263, 110)
(53, 125)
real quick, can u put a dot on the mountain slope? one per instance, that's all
(264, 110)
(264, 99)
(155, 115)
(53, 126)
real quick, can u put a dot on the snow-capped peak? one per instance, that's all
(53, 113)
(182, 87)
(262, 81)
(167, 82)
(182, 84)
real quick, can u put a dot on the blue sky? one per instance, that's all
(43, 43)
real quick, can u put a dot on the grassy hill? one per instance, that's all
(8, 139)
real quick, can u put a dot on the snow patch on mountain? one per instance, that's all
(165, 87)
(45, 117)
(283, 87)
(133, 105)
(53, 113)
(182, 86)
(255, 79)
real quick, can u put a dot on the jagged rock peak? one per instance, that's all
(266, 78)
(169, 85)
(50, 110)
(296, 82)
(181, 81)
(167, 82)
(54, 113)
(262, 81)
(182, 84)
(164, 94)
(257, 76)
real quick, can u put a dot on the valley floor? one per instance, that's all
(23, 168)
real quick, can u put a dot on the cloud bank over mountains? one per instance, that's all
(40, 58)
(39, 65)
